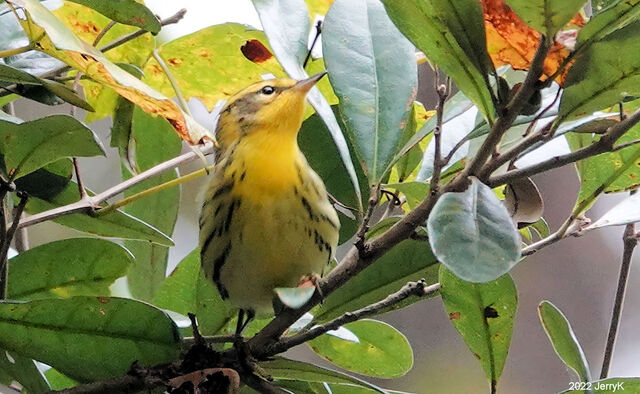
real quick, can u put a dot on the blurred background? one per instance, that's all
(578, 274)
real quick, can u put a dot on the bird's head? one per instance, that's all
(271, 106)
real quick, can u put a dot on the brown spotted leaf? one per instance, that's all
(213, 63)
(55, 39)
(483, 314)
(510, 41)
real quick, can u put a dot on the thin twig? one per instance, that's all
(15, 51)
(511, 111)
(6, 243)
(630, 240)
(313, 43)
(604, 144)
(118, 42)
(418, 289)
(90, 202)
(76, 168)
(438, 163)
(103, 32)
(364, 226)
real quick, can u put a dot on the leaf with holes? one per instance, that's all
(81, 266)
(473, 235)
(89, 338)
(483, 314)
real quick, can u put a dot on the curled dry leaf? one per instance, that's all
(511, 42)
(523, 201)
(198, 377)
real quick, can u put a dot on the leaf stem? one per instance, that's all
(172, 81)
(155, 189)
(630, 240)
(15, 51)
(438, 163)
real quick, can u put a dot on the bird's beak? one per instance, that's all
(306, 84)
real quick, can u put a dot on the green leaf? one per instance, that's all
(14, 75)
(286, 24)
(409, 161)
(47, 181)
(385, 276)
(611, 172)
(451, 34)
(604, 74)
(24, 371)
(76, 266)
(31, 145)
(546, 16)
(89, 338)
(285, 370)
(323, 156)
(59, 381)
(473, 235)
(373, 71)
(122, 124)
(563, 339)
(609, 386)
(211, 64)
(67, 94)
(115, 224)
(128, 12)
(614, 16)
(187, 290)
(382, 351)
(483, 314)
(153, 141)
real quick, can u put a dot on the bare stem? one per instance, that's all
(172, 81)
(364, 226)
(418, 289)
(15, 51)
(90, 202)
(630, 240)
(604, 144)
(438, 162)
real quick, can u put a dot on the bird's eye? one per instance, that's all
(268, 90)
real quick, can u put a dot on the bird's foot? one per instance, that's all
(309, 280)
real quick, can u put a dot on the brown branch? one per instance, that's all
(512, 110)
(126, 384)
(438, 162)
(90, 202)
(418, 289)
(364, 226)
(6, 243)
(603, 145)
(630, 240)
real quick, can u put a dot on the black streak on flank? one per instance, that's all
(224, 189)
(235, 204)
(307, 207)
(299, 171)
(217, 267)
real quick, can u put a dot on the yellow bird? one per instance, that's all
(266, 221)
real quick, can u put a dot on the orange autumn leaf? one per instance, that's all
(511, 42)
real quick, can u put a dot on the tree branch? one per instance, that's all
(603, 145)
(630, 240)
(438, 162)
(6, 243)
(90, 202)
(505, 120)
(418, 289)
